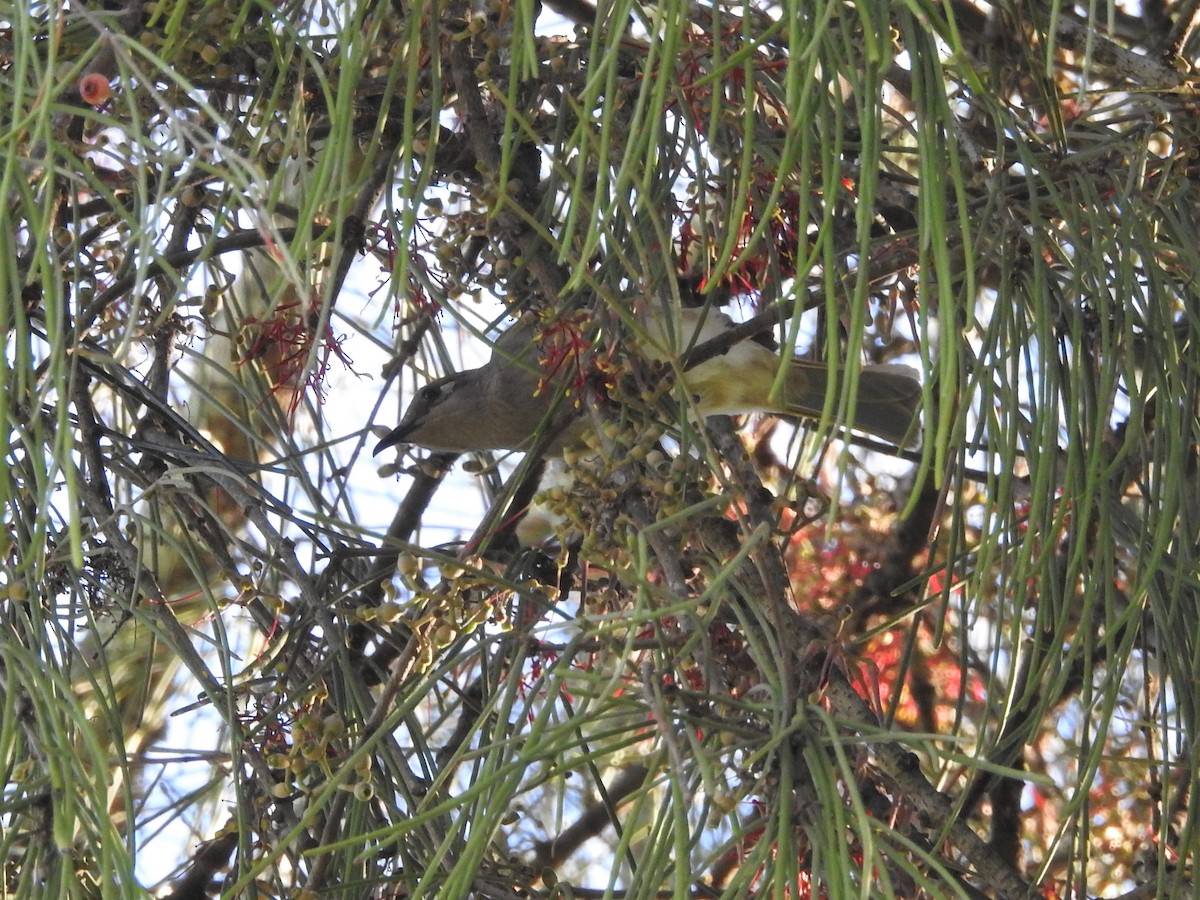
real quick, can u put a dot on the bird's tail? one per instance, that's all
(888, 399)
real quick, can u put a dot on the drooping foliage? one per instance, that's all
(749, 658)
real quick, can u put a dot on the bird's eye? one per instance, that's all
(431, 392)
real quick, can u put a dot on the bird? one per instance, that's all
(505, 403)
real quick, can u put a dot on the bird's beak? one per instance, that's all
(393, 437)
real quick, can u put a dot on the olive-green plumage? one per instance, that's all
(501, 405)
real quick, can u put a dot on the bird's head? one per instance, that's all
(440, 417)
